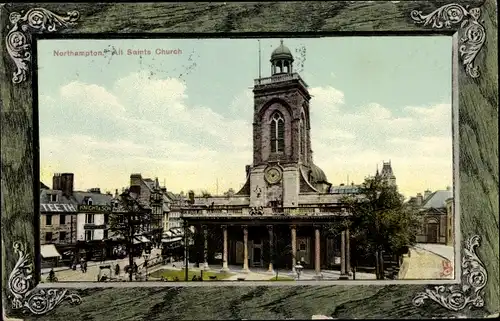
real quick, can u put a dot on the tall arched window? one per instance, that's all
(277, 133)
(303, 140)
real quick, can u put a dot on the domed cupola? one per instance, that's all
(281, 60)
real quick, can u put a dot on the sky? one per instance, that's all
(186, 117)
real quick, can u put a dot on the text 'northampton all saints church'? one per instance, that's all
(286, 196)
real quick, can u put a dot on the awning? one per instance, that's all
(167, 234)
(175, 239)
(49, 251)
(175, 231)
(141, 239)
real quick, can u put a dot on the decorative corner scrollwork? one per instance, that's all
(23, 292)
(474, 278)
(473, 34)
(18, 40)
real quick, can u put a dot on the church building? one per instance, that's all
(286, 200)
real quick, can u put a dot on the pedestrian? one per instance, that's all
(117, 269)
(85, 266)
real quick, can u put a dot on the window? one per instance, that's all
(302, 246)
(62, 219)
(89, 235)
(303, 140)
(53, 197)
(62, 236)
(89, 201)
(105, 236)
(48, 219)
(89, 218)
(48, 236)
(277, 133)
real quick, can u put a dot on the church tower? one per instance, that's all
(282, 155)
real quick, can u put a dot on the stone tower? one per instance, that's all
(282, 154)
(387, 174)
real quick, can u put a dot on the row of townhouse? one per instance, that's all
(70, 219)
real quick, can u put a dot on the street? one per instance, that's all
(424, 264)
(92, 273)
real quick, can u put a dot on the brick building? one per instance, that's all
(286, 197)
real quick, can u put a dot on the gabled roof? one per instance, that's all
(61, 199)
(97, 199)
(437, 199)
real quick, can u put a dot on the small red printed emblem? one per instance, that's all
(447, 268)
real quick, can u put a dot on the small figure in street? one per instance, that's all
(84, 266)
(52, 276)
(136, 268)
(117, 269)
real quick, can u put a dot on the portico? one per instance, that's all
(263, 241)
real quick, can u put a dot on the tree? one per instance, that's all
(129, 221)
(379, 222)
(281, 252)
(205, 194)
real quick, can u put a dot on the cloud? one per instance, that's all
(145, 124)
(417, 140)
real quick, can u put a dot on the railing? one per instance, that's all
(307, 211)
(236, 211)
(278, 78)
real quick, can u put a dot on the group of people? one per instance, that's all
(83, 265)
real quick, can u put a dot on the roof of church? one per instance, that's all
(282, 52)
(317, 174)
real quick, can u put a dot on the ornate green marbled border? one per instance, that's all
(474, 26)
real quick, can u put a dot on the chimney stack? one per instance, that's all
(63, 182)
(419, 199)
(135, 179)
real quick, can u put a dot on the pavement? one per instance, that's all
(254, 274)
(67, 274)
(262, 274)
(426, 265)
(445, 251)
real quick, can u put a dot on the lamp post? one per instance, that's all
(146, 256)
(185, 243)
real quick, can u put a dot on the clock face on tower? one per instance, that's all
(273, 175)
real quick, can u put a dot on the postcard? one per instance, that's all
(206, 161)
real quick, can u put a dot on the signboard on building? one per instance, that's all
(84, 208)
(94, 227)
(57, 208)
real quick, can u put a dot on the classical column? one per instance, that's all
(342, 253)
(347, 251)
(317, 259)
(245, 248)
(294, 246)
(271, 247)
(343, 265)
(224, 254)
(205, 248)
